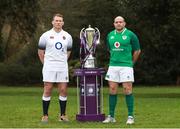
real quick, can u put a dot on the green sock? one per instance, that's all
(130, 104)
(112, 104)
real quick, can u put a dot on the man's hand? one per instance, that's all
(41, 55)
(136, 55)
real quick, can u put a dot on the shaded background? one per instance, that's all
(156, 23)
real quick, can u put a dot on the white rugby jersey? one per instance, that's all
(56, 46)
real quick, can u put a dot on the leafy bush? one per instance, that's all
(15, 74)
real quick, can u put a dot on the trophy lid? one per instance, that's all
(90, 28)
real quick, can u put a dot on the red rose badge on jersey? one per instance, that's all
(64, 37)
(51, 37)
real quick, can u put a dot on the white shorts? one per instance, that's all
(55, 76)
(120, 74)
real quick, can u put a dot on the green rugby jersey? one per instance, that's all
(121, 46)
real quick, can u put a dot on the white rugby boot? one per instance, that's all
(130, 120)
(109, 119)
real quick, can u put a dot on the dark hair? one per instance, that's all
(58, 15)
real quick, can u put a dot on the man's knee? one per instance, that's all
(47, 89)
(113, 89)
(127, 91)
(63, 91)
(127, 88)
(47, 93)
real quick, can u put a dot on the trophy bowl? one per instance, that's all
(90, 37)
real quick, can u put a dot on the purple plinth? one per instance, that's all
(90, 83)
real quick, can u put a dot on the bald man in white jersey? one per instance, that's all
(54, 49)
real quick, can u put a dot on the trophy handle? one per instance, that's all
(81, 45)
(81, 32)
(98, 33)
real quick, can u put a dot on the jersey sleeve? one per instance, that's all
(42, 42)
(135, 42)
(69, 45)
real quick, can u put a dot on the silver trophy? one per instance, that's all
(90, 37)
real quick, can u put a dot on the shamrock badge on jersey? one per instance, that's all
(124, 37)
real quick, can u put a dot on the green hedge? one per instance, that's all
(15, 74)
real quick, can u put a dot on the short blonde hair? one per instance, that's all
(57, 15)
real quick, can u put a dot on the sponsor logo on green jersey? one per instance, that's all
(117, 44)
(117, 47)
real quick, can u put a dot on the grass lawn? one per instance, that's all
(155, 107)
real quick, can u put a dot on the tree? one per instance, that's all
(159, 34)
(18, 23)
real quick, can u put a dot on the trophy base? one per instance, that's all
(90, 117)
(90, 62)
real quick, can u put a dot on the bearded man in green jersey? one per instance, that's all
(124, 50)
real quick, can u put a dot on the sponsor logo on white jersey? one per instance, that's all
(58, 45)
